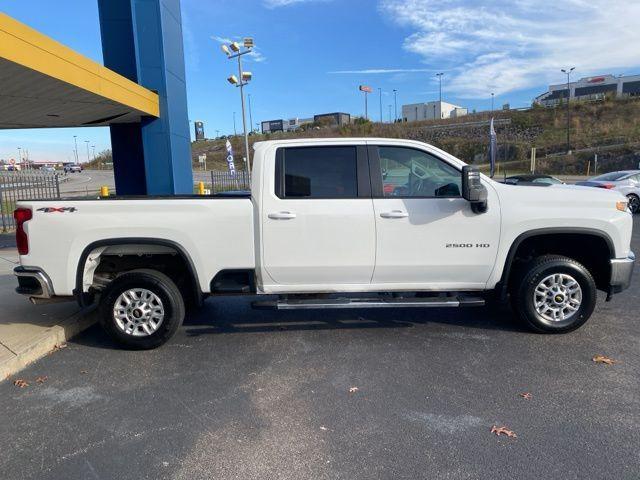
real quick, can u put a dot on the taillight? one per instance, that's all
(608, 186)
(22, 241)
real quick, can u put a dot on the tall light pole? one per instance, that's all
(87, 142)
(439, 75)
(250, 115)
(568, 73)
(492, 94)
(235, 132)
(380, 95)
(390, 121)
(75, 141)
(19, 155)
(243, 78)
(395, 102)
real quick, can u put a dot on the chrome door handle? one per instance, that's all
(282, 215)
(394, 214)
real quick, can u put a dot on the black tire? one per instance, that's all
(531, 276)
(163, 288)
(634, 202)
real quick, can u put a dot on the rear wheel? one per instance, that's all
(141, 309)
(554, 294)
(634, 203)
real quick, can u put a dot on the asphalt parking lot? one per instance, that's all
(243, 394)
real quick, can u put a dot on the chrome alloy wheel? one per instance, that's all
(138, 312)
(557, 297)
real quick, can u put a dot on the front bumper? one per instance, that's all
(33, 282)
(621, 272)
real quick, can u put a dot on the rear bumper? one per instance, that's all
(33, 282)
(621, 272)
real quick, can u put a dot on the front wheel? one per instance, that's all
(141, 309)
(634, 203)
(555, 294)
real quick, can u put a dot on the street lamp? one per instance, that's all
(395, 102)
(439, 75)
(568, 73)
(250, 114)
(492, 95)
(75, 141)
(87, 142)
(234, 50)
(380, 94)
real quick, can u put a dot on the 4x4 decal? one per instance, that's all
(57, 209)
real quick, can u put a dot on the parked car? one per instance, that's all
(535, 179)
(72, 168)
(626, 182)
(48, 169)
(320, 230)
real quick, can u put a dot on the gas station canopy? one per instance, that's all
(44, 84)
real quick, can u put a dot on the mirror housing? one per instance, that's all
(473, 190)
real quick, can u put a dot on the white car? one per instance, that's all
(321, 229)
(626, 182)
(72, 168)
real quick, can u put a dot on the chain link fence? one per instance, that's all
(16, 186)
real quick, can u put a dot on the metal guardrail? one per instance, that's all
(223, 181)
(23, 185)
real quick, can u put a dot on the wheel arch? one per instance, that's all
(544, 234)
(82, 297)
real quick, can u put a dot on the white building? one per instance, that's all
(431, 111)
(591, 88)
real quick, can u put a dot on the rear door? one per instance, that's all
(427, 235)
(318, 228)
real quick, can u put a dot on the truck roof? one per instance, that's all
(265, 143)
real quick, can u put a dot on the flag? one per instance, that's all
(493, 147)
(230, 164)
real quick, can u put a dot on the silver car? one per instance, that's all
(626, 182)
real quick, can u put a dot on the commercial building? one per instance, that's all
(281, 125)
(591, 88)
(431, 111)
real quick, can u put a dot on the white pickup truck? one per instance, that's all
(332, 223)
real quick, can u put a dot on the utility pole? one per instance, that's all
(568, 73)
(395, 102)
(380, 95)
(439, 75)
(75, 141)
(250, 115)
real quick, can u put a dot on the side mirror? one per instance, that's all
(472, 189)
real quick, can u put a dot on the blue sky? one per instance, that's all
(312, 54)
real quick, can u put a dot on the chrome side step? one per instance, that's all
(324, 303)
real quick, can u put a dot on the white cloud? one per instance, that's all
(286, 3)
(507, 45)
(376, 71)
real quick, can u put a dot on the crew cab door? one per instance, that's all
(318, 228)
(427, 235)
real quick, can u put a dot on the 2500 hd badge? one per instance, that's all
(468, 245)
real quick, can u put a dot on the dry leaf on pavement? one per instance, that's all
(503, 431)
(42, 379)
(603, 359)
(353, 389)
(20, 383)
(526, 395)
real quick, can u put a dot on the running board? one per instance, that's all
(323, 303)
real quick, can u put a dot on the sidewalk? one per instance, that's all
(29, 332)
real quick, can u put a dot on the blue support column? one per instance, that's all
(142, 40)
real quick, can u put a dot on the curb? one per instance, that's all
(45, 343)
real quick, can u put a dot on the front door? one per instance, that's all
(427, 236)
(317, 219)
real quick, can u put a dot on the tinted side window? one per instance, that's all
(317, 172)
(413, 173)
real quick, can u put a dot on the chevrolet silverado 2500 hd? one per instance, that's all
(332, 223)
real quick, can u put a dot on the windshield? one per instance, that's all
(610, 176)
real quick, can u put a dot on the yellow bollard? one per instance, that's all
(200, 188)
(104, 191)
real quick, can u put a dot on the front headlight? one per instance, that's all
(622, 206)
